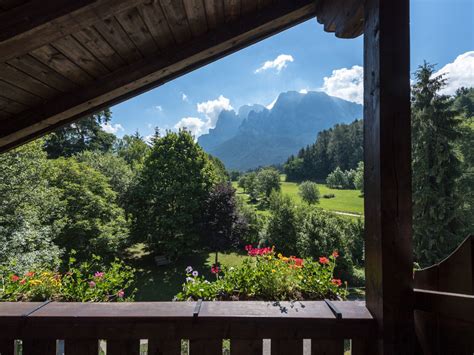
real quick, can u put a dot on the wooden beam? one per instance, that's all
(39, 22)
(387, 157)
(153, 71)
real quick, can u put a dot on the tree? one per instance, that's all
(133, 149)
(221, 217)
(268, 180)
(359, 177)
(436, 169)
(115, 168)
(282, 225)
(91, 221)
(337, 179)
(170, 195)
(321, 233)
(28, 210)
(84, 134)
(309, 192)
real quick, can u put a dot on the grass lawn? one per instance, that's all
(344, 201)
(162, 283)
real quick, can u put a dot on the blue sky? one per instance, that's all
(301, 58)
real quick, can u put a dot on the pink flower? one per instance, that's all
(22, 281)
(335, 254)
(30, 274)
(215, 269)
(99, 274)
(323, 260)
(14, 278)
(91, 284)
(336, 282)
(120, 294)
(248, 247)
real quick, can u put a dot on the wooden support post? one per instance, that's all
(387, 157)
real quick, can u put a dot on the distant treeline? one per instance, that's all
(340, 146)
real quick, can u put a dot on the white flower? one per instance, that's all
(231, 268)
(189, 269)
(195, 273)
(189, 279)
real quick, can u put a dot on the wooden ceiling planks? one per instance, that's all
(343, 17)
(105, 51)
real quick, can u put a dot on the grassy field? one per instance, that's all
(349, 201)
(162, 283)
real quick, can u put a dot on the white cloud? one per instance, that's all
(184, 97)
(193, 124)
(112, 128)
(458, 73)
(212, 108)
(159, 108)
(347, 84)
(278, 63)
(304, 91)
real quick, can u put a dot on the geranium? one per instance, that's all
(323, 260)
(215, 269)
(336, 282)
(14, 278)
(258, 251)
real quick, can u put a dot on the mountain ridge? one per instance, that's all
(258, 136)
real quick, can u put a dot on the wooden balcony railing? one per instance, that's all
(444, 304)
(205, 324)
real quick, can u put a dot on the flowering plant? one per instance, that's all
(266, 275)
(82, 283)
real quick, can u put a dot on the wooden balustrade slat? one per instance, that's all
(286, 346)
(81, 347)
(360, 346)
(205, 346)
(123, 347)
(164, 346)
(327, 346)
(7, 346)
(39, 347)
(246, 347)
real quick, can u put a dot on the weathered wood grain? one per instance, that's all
(196, 14)
(154, 18)
(214, 13)
(176, 15)
(387, 177)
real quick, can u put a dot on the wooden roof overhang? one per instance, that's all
(61, 60)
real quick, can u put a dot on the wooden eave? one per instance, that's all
(61, 60)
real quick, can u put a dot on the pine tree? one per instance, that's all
(436, 169)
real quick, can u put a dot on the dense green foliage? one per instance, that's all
(28, 207)
(170, 194)
(84, 134)
(309, 192)
(436, 169)
(340, 146)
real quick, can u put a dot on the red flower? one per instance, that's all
(30, 274)
(22, 282)
(336, 282)
(14, 278)
(215, 269)
(248, 247)
(335, 254)
(323, 260)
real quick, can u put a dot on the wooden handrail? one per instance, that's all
(168, 322)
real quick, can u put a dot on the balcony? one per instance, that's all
(318, 327)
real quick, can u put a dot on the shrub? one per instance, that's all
(266, 275)
(329, 196)
(309, 192)
(85, 282)
(320, 233)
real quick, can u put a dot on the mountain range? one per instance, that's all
(257, 136)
